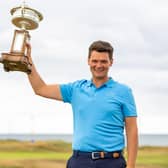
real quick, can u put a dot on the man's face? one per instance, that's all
(99, 63)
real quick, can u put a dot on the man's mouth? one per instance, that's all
(99, 70)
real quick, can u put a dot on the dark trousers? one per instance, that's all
(78, 161)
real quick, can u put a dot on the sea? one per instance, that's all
(144, 139)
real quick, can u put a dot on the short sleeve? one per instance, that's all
(68, 89)
(66, 92)
(129, 107)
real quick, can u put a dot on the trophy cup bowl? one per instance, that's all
(24, 18)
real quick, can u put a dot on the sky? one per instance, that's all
(136, 29)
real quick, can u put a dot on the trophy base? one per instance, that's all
(13, 62)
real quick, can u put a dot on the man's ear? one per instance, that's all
(88, 61)
(111, 62)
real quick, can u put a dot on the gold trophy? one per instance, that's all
(25, 18)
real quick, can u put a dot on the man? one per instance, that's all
(102, 108)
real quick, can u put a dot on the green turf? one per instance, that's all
(48, 151)
(34, 155)
(151, 156)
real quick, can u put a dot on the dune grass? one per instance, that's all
(153, 156)
(51, 154)
(34, 155)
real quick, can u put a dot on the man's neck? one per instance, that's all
(99, 82)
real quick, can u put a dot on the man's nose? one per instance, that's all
(99, 64)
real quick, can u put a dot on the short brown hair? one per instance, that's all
(101, 46)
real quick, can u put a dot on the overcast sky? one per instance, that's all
(138, 32)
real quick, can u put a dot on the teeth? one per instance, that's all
(100, 70)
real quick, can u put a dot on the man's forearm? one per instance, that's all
(132, 141)
(132, 147)
(35, 79)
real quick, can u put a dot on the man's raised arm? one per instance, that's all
(39, 86)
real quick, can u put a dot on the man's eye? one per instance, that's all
(104, 61)
(94, 61)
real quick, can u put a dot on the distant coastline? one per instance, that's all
(144, 139)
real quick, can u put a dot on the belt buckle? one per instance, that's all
(95, 157)
(116, 155)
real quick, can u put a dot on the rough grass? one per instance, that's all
(12, 145)
(53, 154)
(32, 164)
(153, 157)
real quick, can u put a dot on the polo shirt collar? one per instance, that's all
(109, 83)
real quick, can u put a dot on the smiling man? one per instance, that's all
(102, 109)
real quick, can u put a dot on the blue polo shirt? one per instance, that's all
(98, 114)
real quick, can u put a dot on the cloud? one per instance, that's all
(136, 29)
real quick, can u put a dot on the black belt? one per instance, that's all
(98, 155)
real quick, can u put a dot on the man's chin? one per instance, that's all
(99, 77)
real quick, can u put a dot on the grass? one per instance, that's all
(153, 156)
(34, 155)
(51, 154)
